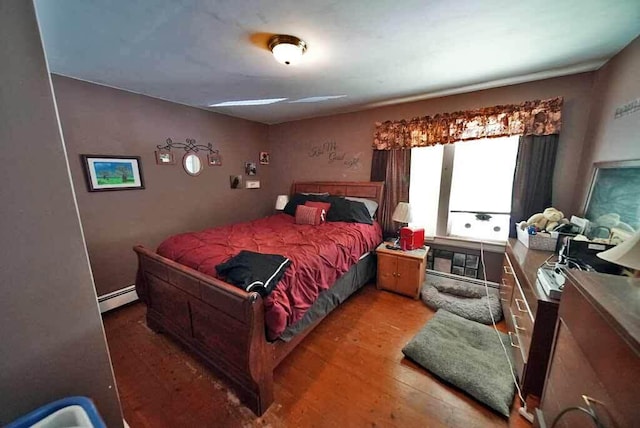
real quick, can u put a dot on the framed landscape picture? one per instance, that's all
(104, 172)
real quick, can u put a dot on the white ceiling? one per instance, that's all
(199, 52)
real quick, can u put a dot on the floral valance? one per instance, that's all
(539, 117)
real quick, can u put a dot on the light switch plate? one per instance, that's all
(252, 184)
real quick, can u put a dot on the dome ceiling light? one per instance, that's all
(287, 50)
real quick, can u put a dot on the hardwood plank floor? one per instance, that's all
(349, 372)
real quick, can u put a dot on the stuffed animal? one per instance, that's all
(547, 220)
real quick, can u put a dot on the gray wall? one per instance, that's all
(100, 120)
(608, 138)
(53, 343)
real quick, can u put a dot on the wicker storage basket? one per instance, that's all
(539, 241)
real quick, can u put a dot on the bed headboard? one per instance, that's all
(360, 189)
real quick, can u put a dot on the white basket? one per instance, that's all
(539, 241)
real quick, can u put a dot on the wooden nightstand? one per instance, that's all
(401, 271)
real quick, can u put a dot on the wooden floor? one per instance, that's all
(349, 372)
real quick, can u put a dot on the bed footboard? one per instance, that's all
(217, 321)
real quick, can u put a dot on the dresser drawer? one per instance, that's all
(521, 320)
(507, 283)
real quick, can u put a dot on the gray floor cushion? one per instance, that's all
(462, 298)
(467, 355)
(457, 287)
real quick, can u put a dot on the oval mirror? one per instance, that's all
(192, 164)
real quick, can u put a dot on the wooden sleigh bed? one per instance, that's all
(222, 324)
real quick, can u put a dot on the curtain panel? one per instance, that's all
(392, 167)
(538, 117)
(533, 177)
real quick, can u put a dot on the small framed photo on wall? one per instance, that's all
(214, 159)
(264, 158)
(250, 168)
(164, 157)
(235, 181)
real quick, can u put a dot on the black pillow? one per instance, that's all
(348, 211)
(300, 199)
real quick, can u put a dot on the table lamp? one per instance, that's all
(281, 202)
(402, 214)
(626, 254)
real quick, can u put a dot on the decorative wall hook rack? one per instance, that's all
(188, 146)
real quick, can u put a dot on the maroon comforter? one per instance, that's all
(319, 256)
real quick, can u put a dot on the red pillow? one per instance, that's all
(322, 205)
(310, 215)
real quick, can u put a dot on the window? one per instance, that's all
(464, 189)
(424, 186)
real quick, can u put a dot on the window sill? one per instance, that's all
(492, 246)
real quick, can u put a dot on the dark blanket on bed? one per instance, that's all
(319, 256)
(254, 271)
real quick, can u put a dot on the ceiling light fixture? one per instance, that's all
(286, 49)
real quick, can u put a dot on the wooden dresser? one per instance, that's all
(596, 353)
(530, 316)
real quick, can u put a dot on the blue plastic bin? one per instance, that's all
(68, 412)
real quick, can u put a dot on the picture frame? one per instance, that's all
(214, 159)
(235, 181)
(250, 168)
(613, 200)
(264, 158)
(472, 261)
(252, 184)
(458, 259)
(112, 172)
(165, 157)
(457, 270)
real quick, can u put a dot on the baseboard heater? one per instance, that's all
(461, 278)
(117, 298)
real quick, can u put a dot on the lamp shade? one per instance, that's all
(402, 213)
(626, 254)
(281, 202)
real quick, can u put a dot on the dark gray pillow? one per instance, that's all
(348, 211)
(467, 355)
(372, 206)
(300, 199)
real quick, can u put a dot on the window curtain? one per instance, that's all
(533, 177)
(537, 117)
(393, 168)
